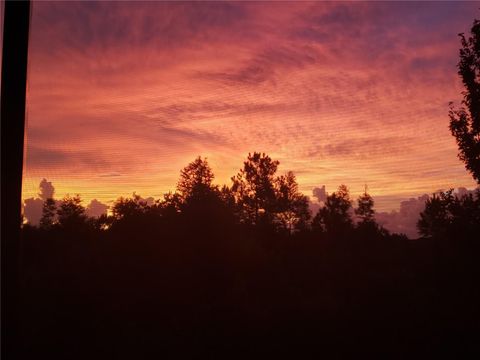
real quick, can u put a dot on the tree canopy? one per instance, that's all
(195, 179)
(71, 213)
(450, 215)
(254, 188)
(465, 121)
(364, 208)
(49, 211)
(335, 217)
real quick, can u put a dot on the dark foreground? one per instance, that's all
(139, 294)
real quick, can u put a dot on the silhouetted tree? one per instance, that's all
(254, 188)
(228, 199)
(434, 219)
(47, 190)
(199, 204)
(199, 197)
(335, 218)
(465, 121)
(447, 215)
(182, 270)
(364, 208)
(71, 213)
(125, 208)
(292, 206)
(48, 213)
(170, 204)
(367, 227)
(465, 210)
(195, 180)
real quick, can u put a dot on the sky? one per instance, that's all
(122, 95)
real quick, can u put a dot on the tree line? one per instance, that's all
(257, 198)
(215, 272)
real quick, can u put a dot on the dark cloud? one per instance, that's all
(462, 191)
(104, 25)
(390, 35)
(266, 64)
(295, 56)
(174, 114)
(32, 210)
(186, 136)
(252, 74)
(328, 23)
(43, 158)
(361, 148)
(96, 208)
(32, 207)
(38, 155)
(46, 190)
(403, 221)
(320, 194)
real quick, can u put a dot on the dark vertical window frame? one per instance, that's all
(13, 96)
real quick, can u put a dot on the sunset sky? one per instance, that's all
(122, 95)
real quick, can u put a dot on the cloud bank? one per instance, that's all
(32, 207)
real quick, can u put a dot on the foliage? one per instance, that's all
(200, 202)
(195, 180)
(367, 226)
(227, 197)
(170, 205)
(71, 212)
(48, 214)
(254, 188)
(292, 210)
(465, 121)
(450, 215)
(125, 208)
(262, 197)
(364, 208)
(189, 263)
(335, 217)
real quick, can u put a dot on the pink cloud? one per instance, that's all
(339, 93)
